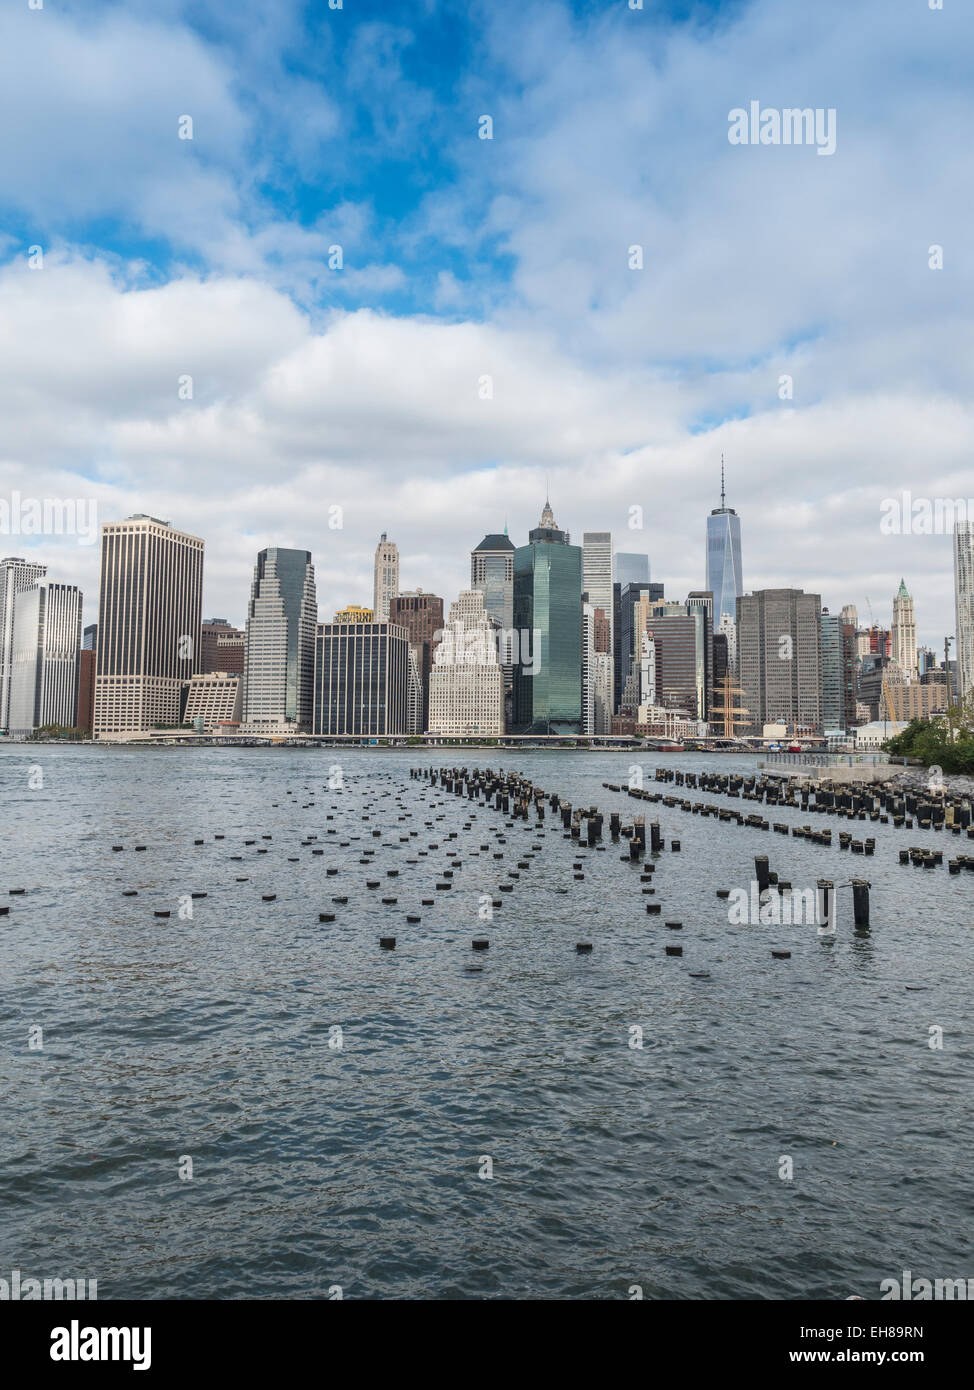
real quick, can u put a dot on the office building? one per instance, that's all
(548, 617)
(213, 701)
(221, 647)
(422, 617)
(779, 640)
(148, 624)
(361, 680)
(903, 634)
(724, 574)
(492, 573)
(279, 648)
(44, 662)
(15, 574)
(385, 578)
(467, 682)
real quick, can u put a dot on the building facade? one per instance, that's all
(779, 638)
(964, 605)
(724, 574)
(279, 653)
(213, 699)
(15, 574)
(45, 659)
(385, 578)
(467, 681)
(221, 647)
(422, 617)
(361, 680)
(149, 619)
(548, 618)
(903, 634)
(492, 573)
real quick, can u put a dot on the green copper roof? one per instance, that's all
(903, 591)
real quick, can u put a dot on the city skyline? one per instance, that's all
(527, 309)
(360, 588)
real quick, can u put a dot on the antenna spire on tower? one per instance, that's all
(722, 481)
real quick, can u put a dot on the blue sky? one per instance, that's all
(505, 260)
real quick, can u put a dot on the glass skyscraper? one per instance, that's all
(279, 653)
(548, 621)
(724, 576)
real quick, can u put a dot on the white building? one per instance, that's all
(869, 737)
(213, 698)
(45, 661)
(964, 604)
(15, 574)
(467, 681)
(385, 580)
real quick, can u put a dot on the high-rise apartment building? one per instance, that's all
(44, 663)
(779, 638)
(467, 682)
(964, 604)
(548, 619)
(361, 680)
(903, 633)
(279, 648)
(149, 606)
(833, 673)
(724, 574)
(15, 574)
(385, 579)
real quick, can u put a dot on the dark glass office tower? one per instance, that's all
(724, 575)
(548, 622)
(279, 653)
(361, 679)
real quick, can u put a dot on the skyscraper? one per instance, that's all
(149, 606)
(630, 568)
(422, 617)
(833, 673)
(44, 665)
(724, 576)
(964, 604)
(625, 643)
(780, 657)
(904, 633)
(492, 572)
(597, 569)
(548, 619)
(15, 574)
(279, 653)
(361, 679)
(467, 683)
(385, 580)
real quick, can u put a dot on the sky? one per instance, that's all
(337, 301)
